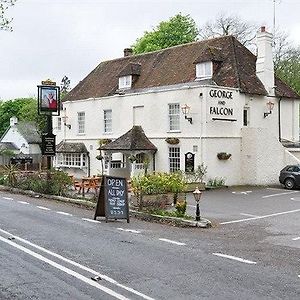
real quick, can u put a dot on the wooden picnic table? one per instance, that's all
(89, 183)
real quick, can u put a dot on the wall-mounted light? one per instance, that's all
(64, 119)
(270, 106)
(186, 110)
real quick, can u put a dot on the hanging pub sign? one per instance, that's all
(48, 144)
(49, 97)
(112, 199)
(189, 162)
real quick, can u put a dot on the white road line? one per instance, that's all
(63, 213)
(235, 258)
(296, 239)
(274, 195)
(90, 220)
(172, 242)
(43, 208)
(194, 206)
(261, 217)
(248, 215)
(293, 199)
(23, 202)
(64, 269)
(129, 230)
(7, 198)
(104, 277)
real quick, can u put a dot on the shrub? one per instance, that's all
(180, 208)
(197, 175)
(216, 182)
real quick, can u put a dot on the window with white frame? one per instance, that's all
(174, 117)
(125, 82)
(174, 159)
(107, 117)
(59, 123)
(81, 122)
(71, 160)
(204, 70)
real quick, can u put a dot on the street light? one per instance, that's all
(197, 195)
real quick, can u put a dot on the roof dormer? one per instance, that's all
(129, 75)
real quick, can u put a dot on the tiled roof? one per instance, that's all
(8, 146)
(29, 131)
(234, 66)
(66, 147)
(134, 139)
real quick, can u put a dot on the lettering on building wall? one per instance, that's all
(220, 106)
(220, 94)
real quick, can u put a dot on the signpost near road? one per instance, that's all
(113, 199)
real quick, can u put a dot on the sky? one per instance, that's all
(53, 38)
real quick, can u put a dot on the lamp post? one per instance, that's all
(197, 195)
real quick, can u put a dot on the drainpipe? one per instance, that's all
(89, 164)
(279, 118)
(153, 166)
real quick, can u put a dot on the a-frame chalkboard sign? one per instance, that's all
(113, 199)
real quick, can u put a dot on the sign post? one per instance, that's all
(113, 199)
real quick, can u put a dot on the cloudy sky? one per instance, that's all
(53, 38)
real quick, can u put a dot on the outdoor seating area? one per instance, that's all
(86, 184)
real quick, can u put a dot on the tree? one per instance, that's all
(177, 30)
(64, 86)
(244, 32)
(25, 109)
(5, 22)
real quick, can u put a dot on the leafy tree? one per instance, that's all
(243, 31)
(5, 22)
(64, 86)
(25, 109)
(177, 30)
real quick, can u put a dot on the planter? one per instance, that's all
(190, 187)
(153, 201)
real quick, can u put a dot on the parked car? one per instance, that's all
(290, 176)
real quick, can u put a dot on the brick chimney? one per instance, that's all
(264, 62)
(128, 52)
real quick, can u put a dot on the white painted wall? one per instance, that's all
(13, 136)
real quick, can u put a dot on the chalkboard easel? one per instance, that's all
(113, 199)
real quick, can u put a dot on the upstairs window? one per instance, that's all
(174, 117)
(81, 122)
(204, 70)
(125, 82)
(107, 117)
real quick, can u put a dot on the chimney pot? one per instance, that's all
(128, 52)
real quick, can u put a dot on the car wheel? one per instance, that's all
(289, 183)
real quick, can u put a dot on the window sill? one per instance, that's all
(80, 133)
(107, 133)
(174, 131)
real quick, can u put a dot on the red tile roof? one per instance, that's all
(234, 66)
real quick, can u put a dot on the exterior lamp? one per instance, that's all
(185, 110)
(64, 119)
(197, 195)
(270, 106)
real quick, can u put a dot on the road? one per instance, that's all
(53, 250)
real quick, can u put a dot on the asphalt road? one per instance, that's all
(52, 250)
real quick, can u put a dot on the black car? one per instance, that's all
(290, 176)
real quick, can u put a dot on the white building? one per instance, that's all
(232, 102)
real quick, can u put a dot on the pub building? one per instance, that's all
(211, 102)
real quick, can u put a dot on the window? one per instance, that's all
(125, 82)
(73, 160)
(58, 123)
(246, 116)
(107, 117)
(174, 117)
(174, 159)
(81, 122)
(204, 70)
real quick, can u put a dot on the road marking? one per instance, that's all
(274, 195)
(23, 202)
(43, 208)
(296, 239)
(7, 198)
(235, 258)
(293, 199)
(104, 277)
(129, 230)
(63, 213)
(90, 220)
(261, 217)
(172, 242)
(64, 269)
(194, 206)
(243, 193)
(248, 215)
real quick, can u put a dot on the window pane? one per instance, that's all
(81, 122)
(107, 120)
(174, 159)
(174, 116)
